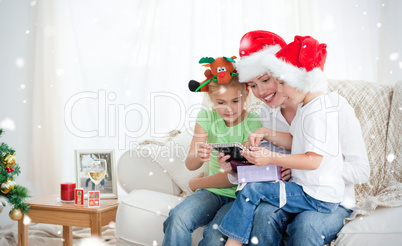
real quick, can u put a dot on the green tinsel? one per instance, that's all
(19, 194)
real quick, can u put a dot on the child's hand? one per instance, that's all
(286, 173)
(223, 163)
(255, 137)
(204, 152)
(193, 183)
(258, 156)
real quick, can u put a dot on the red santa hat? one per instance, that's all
(254, 46)
(300, 64)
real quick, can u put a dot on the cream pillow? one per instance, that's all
(171, 156)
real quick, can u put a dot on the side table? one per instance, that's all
(50, 210)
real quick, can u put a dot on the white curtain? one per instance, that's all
(109, 74)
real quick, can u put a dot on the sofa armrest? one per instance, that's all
(137, 170)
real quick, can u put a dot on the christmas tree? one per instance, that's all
(9, 191)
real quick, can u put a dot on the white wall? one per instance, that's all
(16, 69)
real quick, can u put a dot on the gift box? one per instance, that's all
(253, 173)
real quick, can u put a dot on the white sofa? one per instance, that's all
(155, 177)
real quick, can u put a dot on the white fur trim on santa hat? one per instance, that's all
(252, 66)
(312, 81)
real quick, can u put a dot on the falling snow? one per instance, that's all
(93, 241)
(19, 62)
(22, 86)
(247, 199)
(151, 173)
(27, 220)
(379, 25)
(391, 157)
(394, 56)
(33, 3)
(215, 226)
(7, 124)
(254, 240)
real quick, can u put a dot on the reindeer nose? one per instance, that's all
(221, 74)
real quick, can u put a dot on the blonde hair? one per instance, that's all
(214, 87)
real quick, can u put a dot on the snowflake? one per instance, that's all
(8, 124)
(390, 157)
(27, 220)
(394, 56)
(379, 25)
(247, 199)
(151, 173)
(215, 226)
(254, 240)
(19, 62)
(93, 241)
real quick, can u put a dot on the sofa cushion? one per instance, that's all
(382, 227)
(140, 217)
(171, 157)
(371, 102)
(141, 214)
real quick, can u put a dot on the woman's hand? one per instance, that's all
(258, 156)
(193, 183)
(257, 136)
(204, 152)
(286, 173)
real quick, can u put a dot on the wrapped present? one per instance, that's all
(253, 173)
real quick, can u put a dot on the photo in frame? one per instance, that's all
(94, 162)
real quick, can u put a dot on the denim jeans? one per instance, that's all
(197, 210)
(305, 228)
(238, 221)
(211, 235)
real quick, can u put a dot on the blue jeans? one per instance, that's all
(238, 221)
(305, 228)
(211, 235)
(197, 210)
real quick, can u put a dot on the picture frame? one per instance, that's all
(84, 160)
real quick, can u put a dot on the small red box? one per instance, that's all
(79, 196)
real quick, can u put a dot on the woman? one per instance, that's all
(309, 227)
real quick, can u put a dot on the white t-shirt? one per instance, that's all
(356, 168)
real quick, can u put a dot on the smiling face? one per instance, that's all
(265, 88)
(229, 101)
